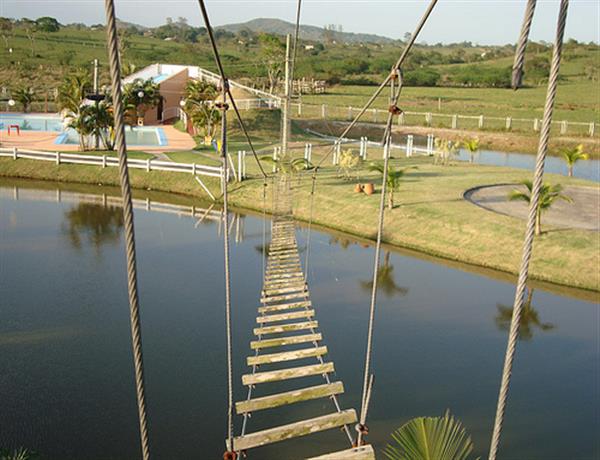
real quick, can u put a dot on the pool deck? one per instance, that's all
(44, 140)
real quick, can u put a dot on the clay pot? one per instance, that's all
(358, 188)
(369, 189)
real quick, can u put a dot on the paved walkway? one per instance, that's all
(583, 213)
(43, 140)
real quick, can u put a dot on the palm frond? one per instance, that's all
(430, 438)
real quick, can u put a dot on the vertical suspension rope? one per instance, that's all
(530, 230)
(367, 378)
(310, 219)
(227, 271)
(517, 70)
(132, 288)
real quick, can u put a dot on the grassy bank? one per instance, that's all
(431, 215)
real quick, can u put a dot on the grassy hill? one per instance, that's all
(310, 33)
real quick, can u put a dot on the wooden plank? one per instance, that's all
(277, 298)
(275, 275)
(282, 341)
(285, 316)
(284, 289)
(357, 453)
(289, 397)
(285, 306)
(287, 374)
(296, 270)
(294, 430)
(284, 356)
(286, 327)
(297, 281)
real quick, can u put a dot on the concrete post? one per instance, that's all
(322, 110)
(480, 122)
(454, 121)
(563, 127)
(592, 129)
(508, 123)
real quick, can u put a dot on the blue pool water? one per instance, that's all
(138, 136)
(31, 122)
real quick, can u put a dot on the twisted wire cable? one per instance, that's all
(517, 70)
(530, 230)
(132, 287)
(394, 95)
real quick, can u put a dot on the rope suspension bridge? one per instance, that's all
(287, 330)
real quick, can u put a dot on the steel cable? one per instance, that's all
(132, 287)
(530, 230)
(517, 70)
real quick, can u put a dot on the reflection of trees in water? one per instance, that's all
(530, 319)
(343, 243)
(100, 224)
(385, 280)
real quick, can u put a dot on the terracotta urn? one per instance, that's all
(369, 189)
(358, 188)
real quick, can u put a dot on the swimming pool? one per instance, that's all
(142, 136)
(32, 122)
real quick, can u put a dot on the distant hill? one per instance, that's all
(314, 33)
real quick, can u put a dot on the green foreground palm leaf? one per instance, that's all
(430, 438)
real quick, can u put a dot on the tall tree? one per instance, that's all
(273, 51)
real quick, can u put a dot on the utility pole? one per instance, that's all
(96, 99)
(286, 126)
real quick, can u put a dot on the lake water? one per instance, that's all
(66, 385)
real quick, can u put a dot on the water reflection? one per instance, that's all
(530, 318)
(100, 224)
(385, 280)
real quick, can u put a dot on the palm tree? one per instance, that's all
(289, 166)
(392, 179)
(472, 145)
(548, 195)
(82, 121)
(529, 318)
(25, 97)
(573, 155)
(385, 280)
(141, 94)
(199, 106)
(430, 438)
(72, 91)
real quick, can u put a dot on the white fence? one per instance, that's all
(106, 161)
(443, 120)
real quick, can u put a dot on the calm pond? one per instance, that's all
(66, 380)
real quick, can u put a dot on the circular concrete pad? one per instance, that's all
(583, 213)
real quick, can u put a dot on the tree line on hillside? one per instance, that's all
(259, 57)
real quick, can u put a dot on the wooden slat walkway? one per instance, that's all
(286, 320)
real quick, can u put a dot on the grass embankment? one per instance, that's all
(431, 215)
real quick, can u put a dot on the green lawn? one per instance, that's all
(577, 101)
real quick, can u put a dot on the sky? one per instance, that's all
(478, 21)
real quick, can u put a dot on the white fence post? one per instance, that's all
(430, 144)
(299, 109)
(375, 115)
(57, 158)
(193, 169)
(592, 129)
(148, 165)
(454, 121)
(536, 123)
(563, 127)
(409, 145)
(240, 178)
(104, 161)
(508, 123)
(480, 124)
(322, 110)
(428, 119)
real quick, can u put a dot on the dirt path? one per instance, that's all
(583, 213)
